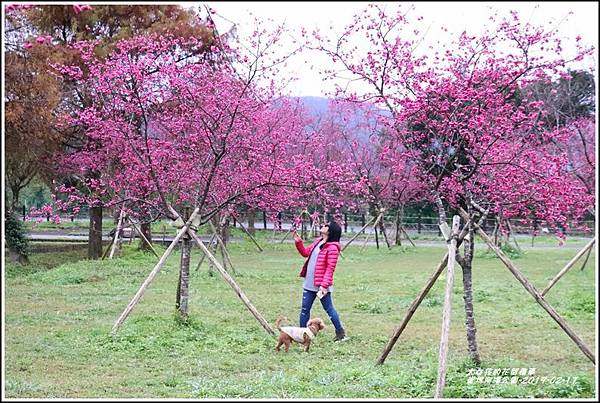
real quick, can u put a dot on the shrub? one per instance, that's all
(17, 242)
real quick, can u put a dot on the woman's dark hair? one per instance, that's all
(335, 232)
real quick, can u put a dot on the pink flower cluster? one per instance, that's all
(42, 214)
(81, 8)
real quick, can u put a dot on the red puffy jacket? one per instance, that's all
(326, 261)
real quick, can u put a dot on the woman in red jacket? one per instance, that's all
(318, 272)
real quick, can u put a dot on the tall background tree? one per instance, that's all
(40, 35)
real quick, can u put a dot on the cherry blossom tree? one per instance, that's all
(377, 173)
(169, 133)
(461, 115)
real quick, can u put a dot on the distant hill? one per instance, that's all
(316, 105)
(319, 105)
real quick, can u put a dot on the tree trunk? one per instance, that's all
(225, 232)
(251, 215)
(215, 248)
(382, 228)
(16, 190)
(95, 233)
(184, 277)
(18, 258)
(146, 229)
(471, 330)
(399, 216)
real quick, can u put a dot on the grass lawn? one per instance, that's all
(60, 309)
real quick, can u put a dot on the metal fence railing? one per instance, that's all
(354, 222)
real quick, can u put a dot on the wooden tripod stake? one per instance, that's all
(443, 353)
(534, 292)
(358, 233)
(186, 229)
(420, 297)
(118, 233)
(154, 272)
(143, 237)
(224, 251)
(260, 249)
(568, 266)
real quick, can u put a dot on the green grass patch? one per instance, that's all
(59, 312)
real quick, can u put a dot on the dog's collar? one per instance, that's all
(310, 333)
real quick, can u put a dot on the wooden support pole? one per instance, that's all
(154, 272)
(534, 292)
(511, 232)
(568, 266)
(233, 285)
(447, 310)
(222, 246)
(118, 233)
(412, 308)
(286, 235)
(364, 245)
(586, 259)
(369, 235)
(143, 237)
(109, 246)
(203, 255)
(250, 235)
(358, 233)
(379, 217)
(407, 237)
(420, 297)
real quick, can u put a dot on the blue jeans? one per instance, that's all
(308, 297)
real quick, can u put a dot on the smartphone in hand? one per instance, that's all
(321, 294)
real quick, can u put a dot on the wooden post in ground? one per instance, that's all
(143, 237)
(382, 229)
(154, 272)
(568, 266)
(224, 251)
(358, 233)
(534, 292)
(374, 230)
(203, 255)
(586, 259)
(447, 311)
(286, 235)
(407, 237)
(364, 245)
(118, 233)
(419, 298)
(233, 284)
(251, 237)
(109, 246)
(412, 308)
(511, 232)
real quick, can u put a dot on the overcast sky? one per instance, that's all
(456, 16)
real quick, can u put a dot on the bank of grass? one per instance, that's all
(59, 312)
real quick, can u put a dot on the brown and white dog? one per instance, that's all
(301, 335)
